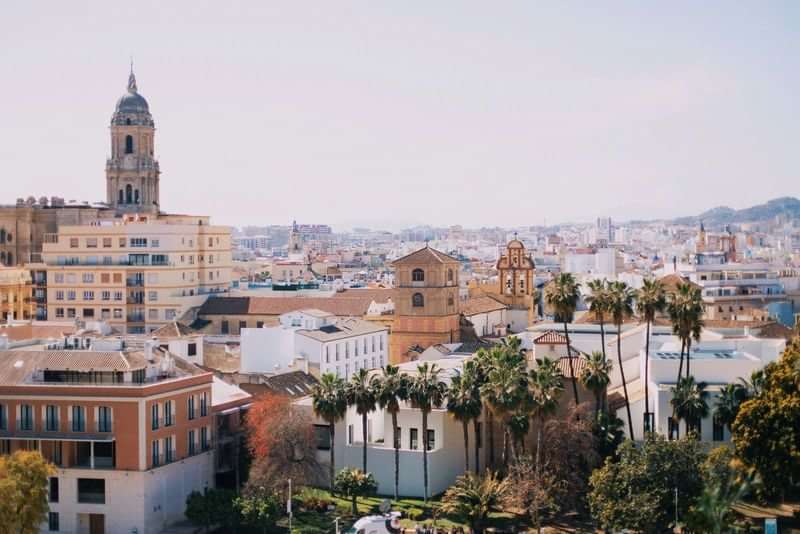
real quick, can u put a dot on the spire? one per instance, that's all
(132, 80)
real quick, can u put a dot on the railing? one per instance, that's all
(135, 318)
(87, 497)
(104, 425)
(134, 282)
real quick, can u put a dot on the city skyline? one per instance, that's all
(283, 115)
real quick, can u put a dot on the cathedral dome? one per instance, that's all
(132, 101)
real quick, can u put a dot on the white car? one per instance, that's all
(377, 524)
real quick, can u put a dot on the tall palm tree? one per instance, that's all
(562, 296)
(620, 308)
(650, 300)
(755, 386)
(473, 374)
(484, 362)
(545, 385)
(329, 403)
(598, 304)
(685, 309)
(505, 389)
(596, 376)
(728, 403)
(359, 393)
(390, 389)
(426, 392)
(690, 401)
(464, 404)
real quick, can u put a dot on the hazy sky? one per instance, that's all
(393, 113)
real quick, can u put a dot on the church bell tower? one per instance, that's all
(132, 171)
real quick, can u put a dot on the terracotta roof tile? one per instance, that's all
(425, 256)
(483, 304)
(578, 363)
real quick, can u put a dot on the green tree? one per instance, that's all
(484, 361)
(730, 399)
(638, 491)
(329, 403)
(620, 308)
(24, 478)
(426, 392)
(354, 483)
(598, 302)
(391, 388)
(595, 377)
(464, 403)
(505, 388)
(473, 497)
(766, 433)
(562, 295)
(215, 507)
(259, 509)
(685, 309)
(690, 402)
(608, 432)
(650, 300)
(473, 374)
(359, 393)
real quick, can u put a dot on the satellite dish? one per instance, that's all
(385, 506)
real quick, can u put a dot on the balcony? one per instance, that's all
(135, 318)
(135, 282)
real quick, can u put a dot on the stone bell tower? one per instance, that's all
(132, 171)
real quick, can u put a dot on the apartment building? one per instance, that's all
(137, 273)
(130, 433)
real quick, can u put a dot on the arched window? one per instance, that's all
(129, 144)
(2, 236)
(121, 197)
(418, 275)
(136, 197)
(450, 300)
(417, 300)
(128, 194)
(449, 275)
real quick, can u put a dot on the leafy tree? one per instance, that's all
(355, 483)
(650, 300)
(608, 432)
(621, 307)
(260, 509)
(596, 376)
(638, 491)
(24, 478)
(328, 402)
(766, 433)
(390, 389)
(359, 393)
(685, 309)
(464, 403)
(426, 392)
(473, 497)
(215, 507)
(690, 401)
(598, 302)
(562, 296)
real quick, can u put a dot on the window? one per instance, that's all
(52, 494)
(322, 433)
(191, 443)
(52, 521)
(398, 438)
(431, 441)
(91, 242)
(104, 419)
(413, 442)
(73, 242)
(155, 451)
(117, 295)
(92, 490)
(449, 275)
(449, 300)
(106, 242)
(259, 324)
(88, 313)
(51, 418)
(88, 295)
(3, 417)
(242, 324)
(169, 420)
(719, 429)
(417, 275)
(224, 327)
(59, 295)
(117, 278)
(71, 295)
(105, 295)
(190, 407)
(78, 419)
(204, 438)
(170, 314)
(204, 404)
(152, 314)
(59, 313)
(59, 278)
(350, 436)
(154, 417)
(169, 451)
(88, 278)
(129, 144)
(139, 242)
(417, 300)
(105, 278)
(117, 313)
(155, 243)
(191, 349)
(70, 313)
(327, 354)
(25, 417)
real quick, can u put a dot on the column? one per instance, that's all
(91, 454)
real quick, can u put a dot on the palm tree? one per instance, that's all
(390, 389)
(473, 374)
(685, 309)
(505, 389)
(650, 300)
(484, 362)
(755, 386)
(728, 403)
(596, 376)
(329, 403)
(545, 385)
(598, 304)
(621, 307)
(690, 401)
(464, 404)
(359, 393)
(474, 497)
(562, 297)
(426, 392)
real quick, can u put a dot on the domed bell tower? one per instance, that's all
(132, 171)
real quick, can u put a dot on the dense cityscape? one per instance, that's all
(164, 373)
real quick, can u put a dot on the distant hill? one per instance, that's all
(787, 206)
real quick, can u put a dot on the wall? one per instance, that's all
(263, 349)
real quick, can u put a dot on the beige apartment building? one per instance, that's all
(137, 273)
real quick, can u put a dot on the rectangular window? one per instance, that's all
(25, 417)
(78, 419)
(190, 407)
(204, 404)
(154, 417)
(152, 314)
(431, 439)
(224, 327)
(106, 242)
(105, 295)
(398, 438)
(156, 453)
(413, 439)
(3, 417)
(169, 453)
(322, 433)
(259, 324)
(59, 295)
(73, 242)
(70, 313)
(117, 278)
(71, 295)
(59, 278)
(117, 313)
(204, 444)
(51, 418)
(53, 490)
(191, 443)
(154, 243)
(107, 260)
(672, 428)
(350, 436)
(122, 242)
(242, 324)
(105, 278)
(170, 313)
(191, 350)
(92, 490)
(88, 278)
(52, 522)
(91, 242)
(138, 242)
(104, 419)
(88, 295)
(168, 416)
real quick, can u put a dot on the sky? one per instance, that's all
(390, 114)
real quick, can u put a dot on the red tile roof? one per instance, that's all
(551, 337)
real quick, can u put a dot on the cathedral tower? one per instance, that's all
(132, 170)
